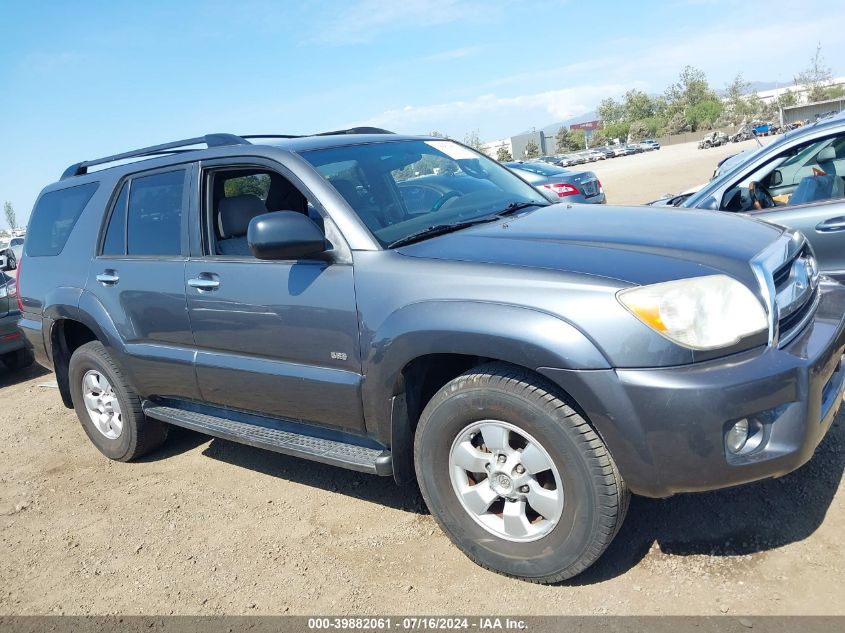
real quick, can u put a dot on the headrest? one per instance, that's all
(235, 213)
(827, 154)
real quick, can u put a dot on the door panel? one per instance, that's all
(146, 300)
(277, 338)
(824, 226)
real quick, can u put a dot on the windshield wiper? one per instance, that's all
(440, 229)
(513, 207)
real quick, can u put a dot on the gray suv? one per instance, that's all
(527, 364)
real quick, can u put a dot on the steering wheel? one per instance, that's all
(760, 194)
(444, 199)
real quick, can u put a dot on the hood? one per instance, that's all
(634, 245)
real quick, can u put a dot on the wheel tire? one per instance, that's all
(595, 498)
(139, 434)
(11, 261)
(18, 359)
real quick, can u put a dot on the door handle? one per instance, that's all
(832, 225)
(204, 283)
(108, 277)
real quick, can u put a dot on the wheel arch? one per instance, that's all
(71, 326)
(425, 345)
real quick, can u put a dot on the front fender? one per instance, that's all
(515, 334)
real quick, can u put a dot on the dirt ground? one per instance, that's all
(205, 526)
(641, 178)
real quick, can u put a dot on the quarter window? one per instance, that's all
(154, 215)
(54, 217)
(115, 240)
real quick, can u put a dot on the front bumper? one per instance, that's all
(665, 427)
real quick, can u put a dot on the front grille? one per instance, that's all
(796, 293)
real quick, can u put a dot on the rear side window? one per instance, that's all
(54, 217)
(154, 215)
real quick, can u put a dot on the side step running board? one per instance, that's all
(351, 456)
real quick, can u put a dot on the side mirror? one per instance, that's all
(776, 178)
(284, 235)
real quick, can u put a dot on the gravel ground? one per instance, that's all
(641, 178)
(208, 527)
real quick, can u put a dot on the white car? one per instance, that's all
(11, 251)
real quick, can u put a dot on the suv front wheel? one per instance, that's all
(110, 412)
(516, 477)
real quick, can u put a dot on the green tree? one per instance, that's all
(677, 124)
(598, 138)
(817, 78)
(531, 149)
(255, 184)
(690, 90)
(616, 130)
(576, 139)
(563, 140)
(610, 111)
(704, 114)
(638, 105)
(11, 218)
(503, 154)
(639, 130)
(473, 139)
(737, 106)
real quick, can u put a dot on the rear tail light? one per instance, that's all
(563, 189)
(18, 285)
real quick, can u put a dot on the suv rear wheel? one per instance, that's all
(516, 477)
(110, 412)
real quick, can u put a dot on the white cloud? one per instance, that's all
(365, 20)
(495, 115)
(457, 53)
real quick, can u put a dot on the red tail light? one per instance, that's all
(18, 285)
(563, 189)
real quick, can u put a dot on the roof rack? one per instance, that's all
(210, 140)
(352, 130)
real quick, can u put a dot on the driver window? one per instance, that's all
(235, 196)
(807, 174)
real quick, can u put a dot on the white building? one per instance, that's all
(800, 90)
(491, 148)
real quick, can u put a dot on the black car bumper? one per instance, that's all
(666, 427)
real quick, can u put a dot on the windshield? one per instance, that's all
(398, 188)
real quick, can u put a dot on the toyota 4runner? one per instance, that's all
(528, 364)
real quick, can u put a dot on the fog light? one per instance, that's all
(737, 436)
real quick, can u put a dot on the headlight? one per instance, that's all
(699, 313)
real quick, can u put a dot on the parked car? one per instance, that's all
(620, 150)
(797, 182)
(565, 161)
(15, 352)
(11, 250)
(573, 186)
(634, 148)
(649, 144)
(528, 364)
(608, 152)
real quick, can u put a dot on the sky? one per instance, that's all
(83, 80)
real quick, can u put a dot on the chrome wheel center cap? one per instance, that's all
(501, 484)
